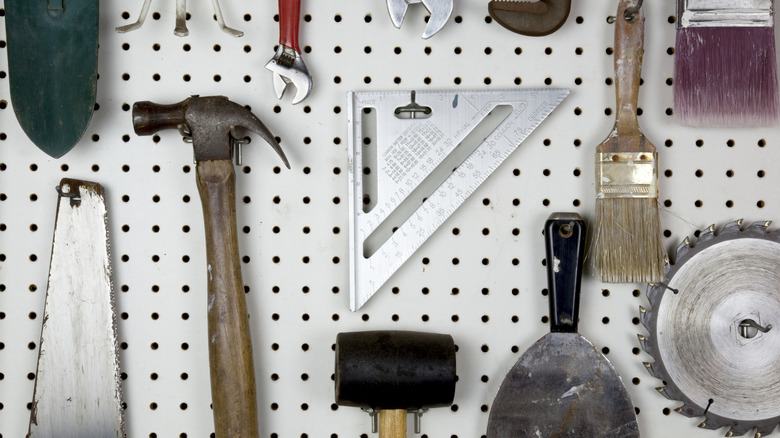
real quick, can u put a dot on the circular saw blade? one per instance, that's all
(703, 323)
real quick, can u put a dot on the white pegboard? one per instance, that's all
(293, 223)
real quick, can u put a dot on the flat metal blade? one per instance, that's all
(77, 388)
(562, 387)
(52, 69)
(407, 150)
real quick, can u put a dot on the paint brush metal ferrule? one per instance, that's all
(725, 13)
(626, 175)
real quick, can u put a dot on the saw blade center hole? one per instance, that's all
(748, 328)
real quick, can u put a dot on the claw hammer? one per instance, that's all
(209, 121)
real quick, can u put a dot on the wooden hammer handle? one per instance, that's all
(230, 349)
(392, 423)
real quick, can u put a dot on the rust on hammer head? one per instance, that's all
(208, 120)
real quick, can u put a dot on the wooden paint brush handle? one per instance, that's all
(629, 47)
(392, 423)
(230, 349)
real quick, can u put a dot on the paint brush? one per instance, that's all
(725, 74)
(627, 245)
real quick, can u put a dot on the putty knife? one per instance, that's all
(52, 69)
(77, 387)
(562, 386)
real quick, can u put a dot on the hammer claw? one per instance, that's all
(209, 120)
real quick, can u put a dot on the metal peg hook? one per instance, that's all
(75, 197)
(418, 413)
(746, 325)
(237, 143)
(374, 414)
(631, 13)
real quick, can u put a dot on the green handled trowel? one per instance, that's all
(52, 63)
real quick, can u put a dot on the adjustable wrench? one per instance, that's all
(287, 64)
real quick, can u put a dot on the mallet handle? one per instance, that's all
(230, 350)
(392, 423)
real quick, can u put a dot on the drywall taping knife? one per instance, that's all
(77, 388)
(52, 63)
(418, 143)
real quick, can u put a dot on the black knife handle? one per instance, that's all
(565, 244)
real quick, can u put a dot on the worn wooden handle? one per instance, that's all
(629, 47)
(392, 423)
(230, 349)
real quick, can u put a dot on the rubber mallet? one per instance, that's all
(394, 372)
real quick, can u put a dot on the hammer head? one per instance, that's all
(209, 121)
(395, 369)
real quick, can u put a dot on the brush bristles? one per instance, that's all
(627, 244)
(725, 77)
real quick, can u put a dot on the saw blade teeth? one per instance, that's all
(683, 249)
(739, 429)
(760, 227)
(688, 249)
(707, 234)
(644, 318)
(650, 367)
(764, 429)
(733, 227)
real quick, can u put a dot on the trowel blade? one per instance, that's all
(562, 387)
(77, 388)
(52, 69)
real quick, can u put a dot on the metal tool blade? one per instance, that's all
(52, 63)
(562, 387)
(721, 283)
(408, 150)
(77, 388)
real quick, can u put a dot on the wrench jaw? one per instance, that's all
(397, 10)
(288, 68)
(439, 10)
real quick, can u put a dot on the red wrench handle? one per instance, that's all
(289, 15)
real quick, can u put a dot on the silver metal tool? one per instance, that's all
(287, 64)
(181, 19)
(416, 147)
(712, 329)
(440, 11)
(77, 387)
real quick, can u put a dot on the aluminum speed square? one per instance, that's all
(403, 147)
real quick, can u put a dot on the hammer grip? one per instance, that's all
(150, 117)
(230, 349)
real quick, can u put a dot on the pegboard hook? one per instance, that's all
(631, 13)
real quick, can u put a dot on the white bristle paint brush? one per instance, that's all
(627, 246)
(725, 73)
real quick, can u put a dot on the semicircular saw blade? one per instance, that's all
(703, 336)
